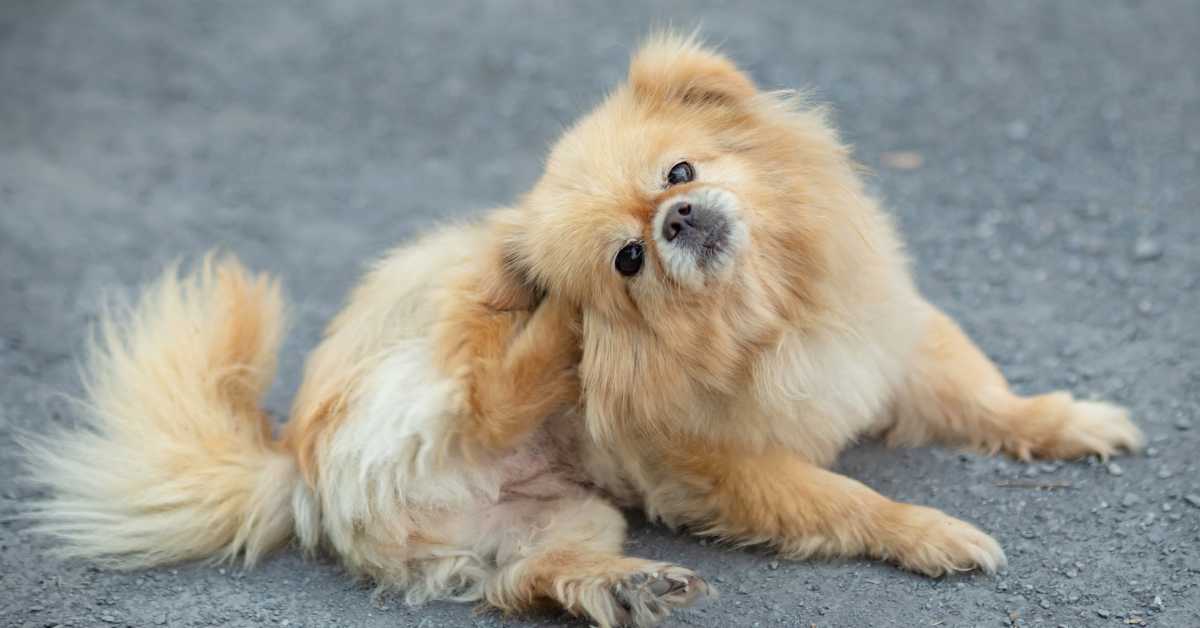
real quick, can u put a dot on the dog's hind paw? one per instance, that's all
(646, 598)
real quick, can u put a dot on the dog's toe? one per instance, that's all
(648, 597)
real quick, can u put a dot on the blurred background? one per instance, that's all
(1042, 159)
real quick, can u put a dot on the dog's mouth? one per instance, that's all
(713, 245)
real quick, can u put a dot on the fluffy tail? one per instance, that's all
(174, 459)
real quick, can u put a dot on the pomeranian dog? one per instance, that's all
(693, 311)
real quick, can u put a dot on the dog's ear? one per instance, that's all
(671, 67)
(506, 283)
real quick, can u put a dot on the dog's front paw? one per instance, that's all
(1082, 428)
(930, 542)
(1095, 427)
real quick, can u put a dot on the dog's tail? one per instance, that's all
(174, 459)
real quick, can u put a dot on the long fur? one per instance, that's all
(173, 458)
(460, 413)
(719, 382)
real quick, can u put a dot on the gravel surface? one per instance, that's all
(1042, 159)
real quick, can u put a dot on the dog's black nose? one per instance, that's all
(679, 218)
(699, 224)
(693, 224)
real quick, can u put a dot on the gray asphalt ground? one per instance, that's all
(1055, 210)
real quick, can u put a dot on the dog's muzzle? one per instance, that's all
(699, 227)
(698, 232)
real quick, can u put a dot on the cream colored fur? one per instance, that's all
(491, 391)
(173, 459)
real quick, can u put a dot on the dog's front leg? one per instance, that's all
(517, 368)
(777, 499)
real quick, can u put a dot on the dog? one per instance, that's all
(693, 311)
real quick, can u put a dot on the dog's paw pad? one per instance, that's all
(648, 597)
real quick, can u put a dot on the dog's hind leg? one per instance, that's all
(955, 395)
(570, 554)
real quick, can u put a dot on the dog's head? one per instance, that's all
(689, 210)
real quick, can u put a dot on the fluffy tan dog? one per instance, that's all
(693, 311)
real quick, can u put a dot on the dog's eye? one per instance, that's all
(629, 259)
(681, 172)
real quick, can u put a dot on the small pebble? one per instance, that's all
(1115, 469)
(1103, 613)
(1146, 250)
(1183, 424)
(1132, 499)
(902, 160)
(1017, 130)
(1192, 499)
(773, 565)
